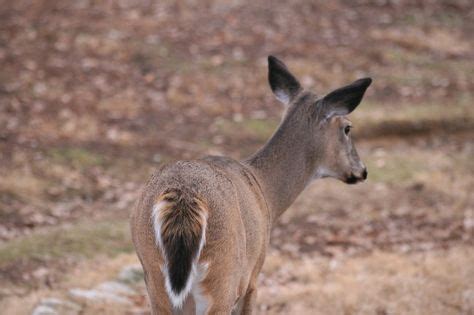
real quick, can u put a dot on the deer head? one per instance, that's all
(321, 124)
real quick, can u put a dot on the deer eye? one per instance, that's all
(347, 129)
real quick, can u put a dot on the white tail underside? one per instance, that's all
(198, 271)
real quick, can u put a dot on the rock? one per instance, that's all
(468, 301)
(44, 310)
(97, 296)
(112, 291)
(138, 311)
(131, 274)
(115, 287)
(54, 306)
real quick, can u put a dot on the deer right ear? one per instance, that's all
(344, 100)
(284, 85)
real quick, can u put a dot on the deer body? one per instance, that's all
(201, 227)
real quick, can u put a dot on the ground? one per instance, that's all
(95, 95)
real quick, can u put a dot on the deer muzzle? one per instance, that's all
(357, 176)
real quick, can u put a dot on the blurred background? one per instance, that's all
(94, 95)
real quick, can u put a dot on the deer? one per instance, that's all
(201, 227)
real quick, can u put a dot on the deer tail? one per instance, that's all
(179, 220)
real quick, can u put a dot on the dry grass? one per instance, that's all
(438, 282)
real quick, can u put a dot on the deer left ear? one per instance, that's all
(344, 100)
(284, 85)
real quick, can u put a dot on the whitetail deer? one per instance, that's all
(201, 227)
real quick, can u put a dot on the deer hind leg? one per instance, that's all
(217, 293)
(188, 307)
(157, 294)
(249, 302)
(213, 302)
(246, 304)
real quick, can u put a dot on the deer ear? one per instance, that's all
(284, 85)
(344, 100)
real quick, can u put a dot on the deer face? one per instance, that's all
(323, 122)
(339, 158)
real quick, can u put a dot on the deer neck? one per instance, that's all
(283, 166)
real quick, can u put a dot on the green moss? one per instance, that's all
(394, 170)
(77, 157)
(83, 240)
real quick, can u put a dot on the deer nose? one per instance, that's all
(364, 173)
